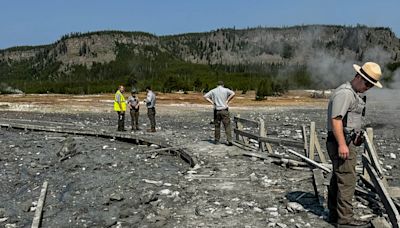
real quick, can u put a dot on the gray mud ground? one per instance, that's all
(117, 184)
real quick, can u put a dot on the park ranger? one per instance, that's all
(345, 109)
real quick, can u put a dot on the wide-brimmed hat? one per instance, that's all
(371, 72)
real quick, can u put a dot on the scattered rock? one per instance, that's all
(116, 197)
(294, 207)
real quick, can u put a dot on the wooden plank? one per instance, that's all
(319, 187)
(383, 193)
(304, 132)
(321, 154)
(312, 162)
(246, 134)
(370, 135)
(118, 135)
(280, 141)
(238, 126)
(39, 208)
(252, 123)
(263, 133)
(275, 158)
(243, 146)
(380, 222)
(312, 141)
(394, 192)
(373, 156)
(269, 148)
(160, 150)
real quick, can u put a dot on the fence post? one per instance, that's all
(312, 140)
(262, 133)
(304, 132)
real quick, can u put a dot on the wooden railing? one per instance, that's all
(372, 176)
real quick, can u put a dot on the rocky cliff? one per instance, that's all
(225, 46)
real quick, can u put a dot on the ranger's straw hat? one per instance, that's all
(371, 72)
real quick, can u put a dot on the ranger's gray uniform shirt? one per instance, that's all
(219, 96)
(150, 99)
(133, 101)
(345, 100)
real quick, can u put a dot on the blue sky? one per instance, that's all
(36, 22)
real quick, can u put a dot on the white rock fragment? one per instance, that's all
(3, 219)
(257, 209)
(392, 156)
(105, 147)
(253, 177)
(294, 207)
(274, 214)
(157, 183)
(165, 192)
(271, 209)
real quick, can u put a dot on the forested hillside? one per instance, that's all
(270, 60)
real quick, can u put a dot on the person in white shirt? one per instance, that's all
(150, 102)
(220, 97)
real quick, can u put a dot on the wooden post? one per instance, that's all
(303, 130)
(370, 135)
(312, 140)
(39, 208)
(372, 155)
(319, 187)
(318, 147)
(237, 127)
(262, 133)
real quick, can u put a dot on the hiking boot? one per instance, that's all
(151, 130)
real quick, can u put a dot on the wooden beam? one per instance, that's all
(104, 134)
(383, 193)
(277, 159)
(39, 208)
(373, 156)
(380, 222)
(319, 187)
(160, 150)
(246, 134)
(321, 154)
(252, 123)
(280, 141)
(263, 133)
(312, 162)
(304, 132)
(312, 140)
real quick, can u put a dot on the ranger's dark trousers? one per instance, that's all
(121, 121)
(222, 116)
(134, 119)
(151, 113)
(342, 184)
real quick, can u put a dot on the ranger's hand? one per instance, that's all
(344, 152)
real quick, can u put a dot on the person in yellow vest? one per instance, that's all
(120, 107)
